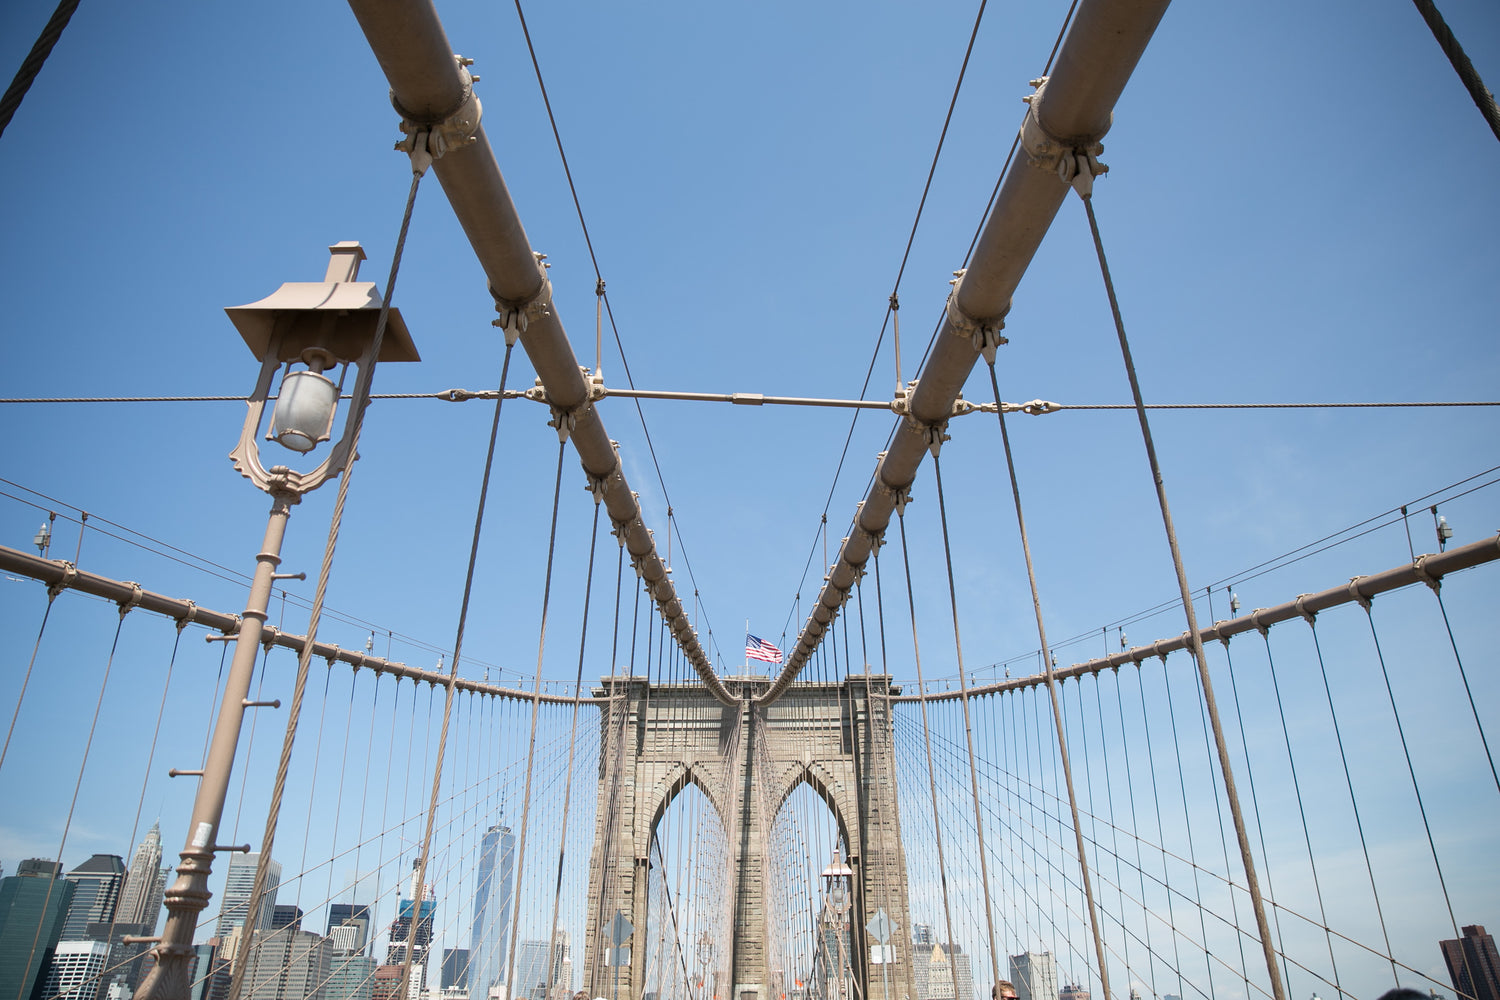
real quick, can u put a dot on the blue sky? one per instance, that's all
(1300, 208)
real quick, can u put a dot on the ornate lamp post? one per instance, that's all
(836, 892)
(321, 326)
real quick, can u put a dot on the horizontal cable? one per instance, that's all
(1036, 407)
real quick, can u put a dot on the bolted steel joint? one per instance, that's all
(1075, 160)
(983, 333)
(428, 137)
(933, 435)
(517, 314)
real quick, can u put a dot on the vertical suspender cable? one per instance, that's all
(1041, 631)
(937, 826)
(458, 645)
(52, 593)
(536, 704)
(963, 685)
(1411, 770)
(583, 634)
(1248, 859)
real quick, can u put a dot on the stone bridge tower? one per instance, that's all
(747, 760)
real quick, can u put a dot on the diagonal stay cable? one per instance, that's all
(599, 277)
(273, 813)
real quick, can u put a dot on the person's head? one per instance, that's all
(1004, 990)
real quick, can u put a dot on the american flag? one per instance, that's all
(757, 648)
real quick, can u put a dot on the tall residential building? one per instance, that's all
(1035, 975)
(75, 970)
(238, 882)
(145, 884)
(287, 965)
(32, 904)
(98, 881)
(489, 937)
(1473, 964)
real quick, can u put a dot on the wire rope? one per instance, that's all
(52, 593)
(1205, 683)
(937, 828)
(536, 703)
(1301, 809)
(73, 802)
(1415, 786)
(583, 633)
(304, 659)
(984, 868)
(1048, 664)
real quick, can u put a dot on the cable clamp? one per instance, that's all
(70, 573)
(188, 618)
(1359, 598)
(129, 604)
(983, 333)
(1156, 651)
(1263, 629)
(933, 435)
(428, 137)
(902, 495)
(597, 485)
(1419, 566)
(518, 314)
(1075, 160)
(1038, 407)
(1309, 616)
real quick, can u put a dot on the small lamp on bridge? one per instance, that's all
(836, 882)
(320, 326)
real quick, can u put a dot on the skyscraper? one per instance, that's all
(97, 881)
(411, 911)
(145, 884)
(455, 968)
(32, 904)
(287, 965)
(1035, 975)
(934, 968)
(532, 968)
(349, 926)
(238, 883)
(1473, 964)
(74, 971)
(489, 937)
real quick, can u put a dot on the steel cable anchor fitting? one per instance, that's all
(983, 332)
(1075, 160)
(428, 137)
(517, 314)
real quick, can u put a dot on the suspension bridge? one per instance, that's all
(1280, 795)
